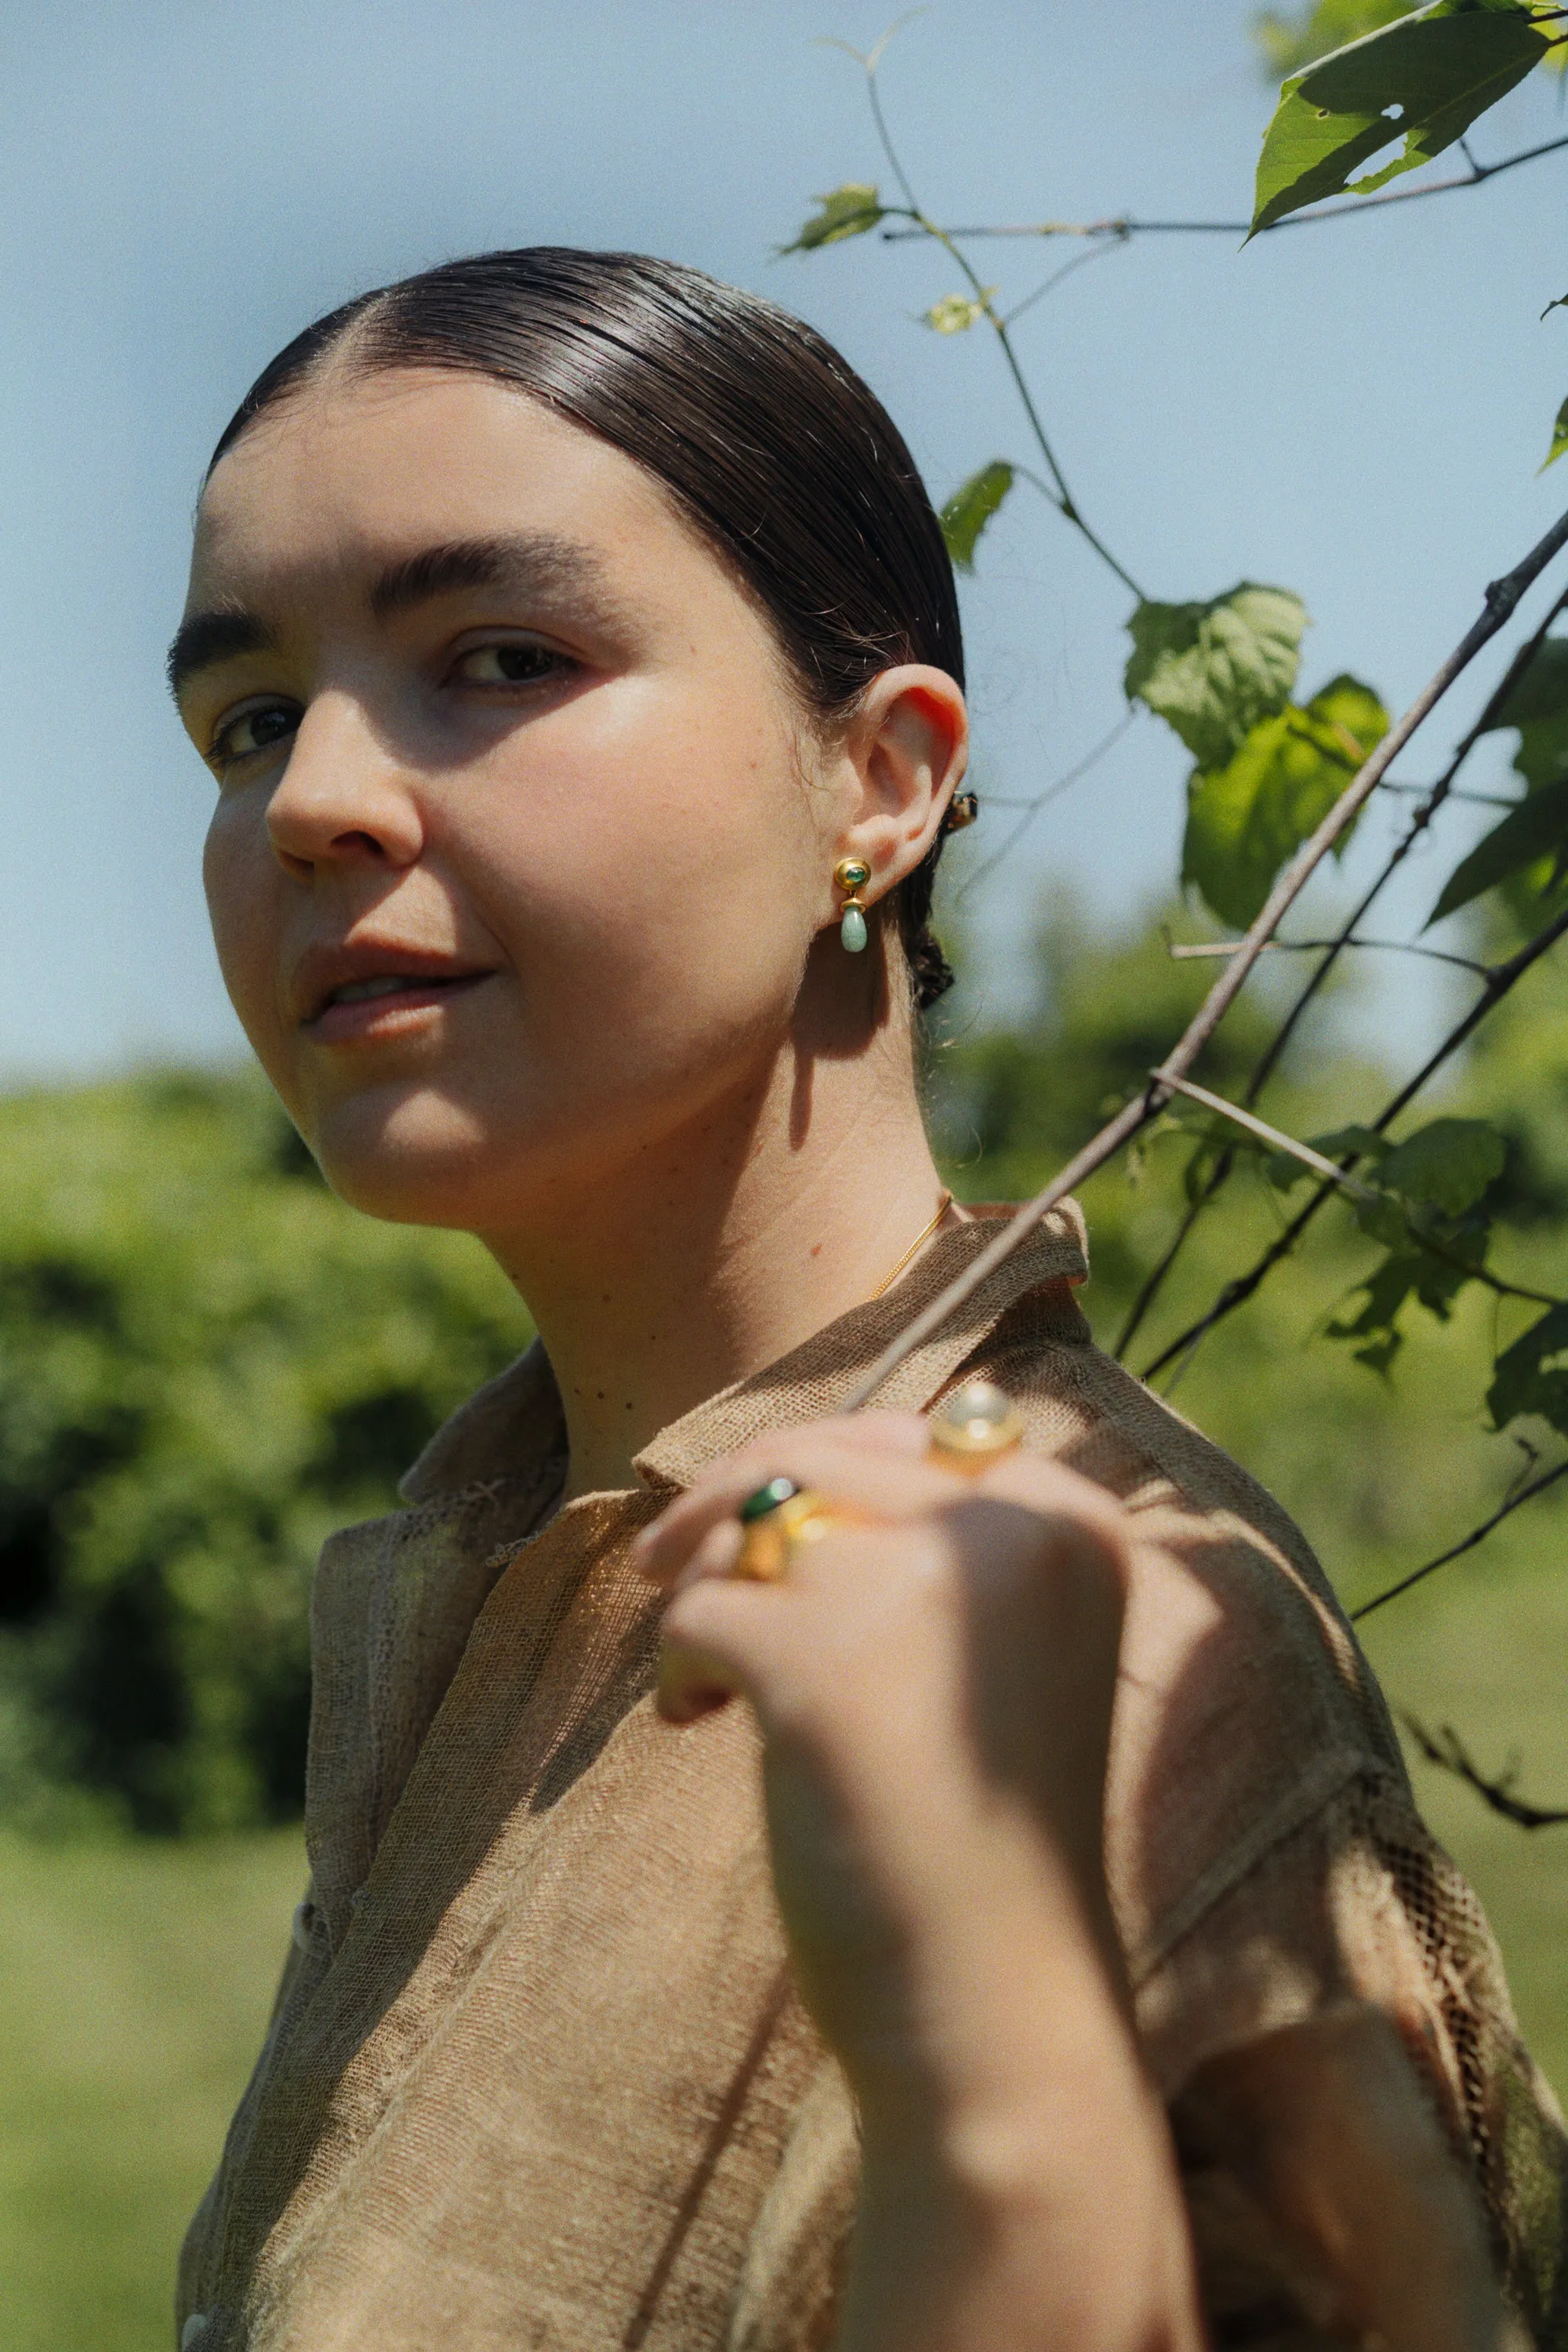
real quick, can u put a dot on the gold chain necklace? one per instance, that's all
(918, 1243)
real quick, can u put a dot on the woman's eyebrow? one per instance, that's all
(538, 566)
(541, 568)
(203, 638)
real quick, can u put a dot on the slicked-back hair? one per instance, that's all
(768, 441)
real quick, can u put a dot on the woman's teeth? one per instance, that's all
(354, 992)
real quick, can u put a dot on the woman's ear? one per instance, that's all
(906, 749)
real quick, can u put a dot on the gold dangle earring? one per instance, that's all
(852, 874)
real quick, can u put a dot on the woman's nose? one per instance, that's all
(343, 799)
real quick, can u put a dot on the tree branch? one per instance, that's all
(1269, 1060)
(1500, 979)
(1447, 1750)
(1467, 1543)
(1332, 1173)
(1179, 951)
(1475, 800)
(1276, 1139)
(923, 225)
(1502, 598)
(1124, 226)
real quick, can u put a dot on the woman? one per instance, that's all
(577, 656)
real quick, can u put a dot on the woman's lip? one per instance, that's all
(368, 1018)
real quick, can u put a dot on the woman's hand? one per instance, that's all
(933, 1679)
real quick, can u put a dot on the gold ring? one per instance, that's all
(774, 1520)
(974, 1428)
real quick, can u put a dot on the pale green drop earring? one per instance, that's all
(852, 874)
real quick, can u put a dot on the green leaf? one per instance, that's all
(1365, 1141)
(1425, 1211)
(1283, 1171)
(1537, 828)
(1541, 694)
(1384, 1218)
(971, 507)
(1212, 671)
(848, 211)
(1541, 757)
(1384, 1292)
(1538, 706)
(955, 313)
(1447, 1164)
(1434, 1282)
(1532, 1375)
(1423, 80)
(1558, 430)
(1244, 819)
(1289, 43)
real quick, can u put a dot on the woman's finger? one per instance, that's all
(892, 1479)
(882, 1472)
(1041, 1483)
(714, 1637)
(692, 1683)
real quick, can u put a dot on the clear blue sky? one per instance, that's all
(1356, 412)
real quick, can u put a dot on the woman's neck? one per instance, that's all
(723, 1247)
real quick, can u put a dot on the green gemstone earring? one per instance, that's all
(852, 874)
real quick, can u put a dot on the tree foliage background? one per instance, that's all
(207, 1363)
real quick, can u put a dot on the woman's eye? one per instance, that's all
(511, 664)
(252, 732)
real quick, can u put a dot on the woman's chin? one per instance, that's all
(425, 1165)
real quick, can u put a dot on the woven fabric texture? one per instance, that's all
(538, 2075)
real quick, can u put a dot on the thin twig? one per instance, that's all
(1501, 597)
(1448, 1750)
(1049, 286)
(1467, 1543)
(1333, 1174)
(1237, 1292)
(925, 226)
(1496, 702)
(1122, 226)
(1273, 1137)
(1180, 952)
(1043, 800)
(1475, 800)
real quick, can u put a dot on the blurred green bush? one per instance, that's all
(206, 1364)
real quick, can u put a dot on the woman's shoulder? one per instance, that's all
(1081, 1403)
(1245, 1705)
(1212, 1541)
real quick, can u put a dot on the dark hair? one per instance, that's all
(772, 445)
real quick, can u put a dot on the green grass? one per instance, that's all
(135, 1982)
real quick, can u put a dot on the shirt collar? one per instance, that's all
(514, 1425)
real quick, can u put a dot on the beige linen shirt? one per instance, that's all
(538, 2077)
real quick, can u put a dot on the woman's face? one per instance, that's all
(514, 867)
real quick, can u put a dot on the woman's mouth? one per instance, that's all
(385, 1004)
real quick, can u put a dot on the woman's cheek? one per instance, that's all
(239, 877)
(646, 904)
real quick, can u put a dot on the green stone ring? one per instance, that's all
(765, 1500)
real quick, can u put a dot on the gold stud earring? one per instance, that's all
(852, 874)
